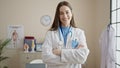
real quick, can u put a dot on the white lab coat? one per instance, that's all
(70, 58)
(107, 43)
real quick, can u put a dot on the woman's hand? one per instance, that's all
(56, 51)
(79, 46)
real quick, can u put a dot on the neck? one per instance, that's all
(65, 25)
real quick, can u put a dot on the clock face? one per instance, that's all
(45, 20)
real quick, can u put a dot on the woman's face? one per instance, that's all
(65, 15)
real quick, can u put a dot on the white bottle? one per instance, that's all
(33, 46)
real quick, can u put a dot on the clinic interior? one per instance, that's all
(90, 15)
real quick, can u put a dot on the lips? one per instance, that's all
(65, 19)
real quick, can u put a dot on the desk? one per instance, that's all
(40, 65)
(28, 57)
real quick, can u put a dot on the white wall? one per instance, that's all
(90, 15)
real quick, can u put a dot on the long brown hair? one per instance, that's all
(57, 22)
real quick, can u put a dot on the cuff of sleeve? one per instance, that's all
(63, 56)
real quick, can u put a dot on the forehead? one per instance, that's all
(64, 8)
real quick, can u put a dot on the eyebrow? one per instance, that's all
(65, 10)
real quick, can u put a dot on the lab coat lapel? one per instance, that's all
(69, 38)
(60, 35)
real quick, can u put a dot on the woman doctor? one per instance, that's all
(65, 45)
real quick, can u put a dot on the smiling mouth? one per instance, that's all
(65, 19)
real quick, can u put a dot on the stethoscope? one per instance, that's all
(73, 40)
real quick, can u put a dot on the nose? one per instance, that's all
(65, 15)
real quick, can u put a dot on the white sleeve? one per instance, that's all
(111, 44)
(47, 54)
(76, 55)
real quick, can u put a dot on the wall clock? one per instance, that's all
(45, 20)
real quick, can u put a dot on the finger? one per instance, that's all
(80, 46)
(57, 47)
(54, 48)
(53, 51)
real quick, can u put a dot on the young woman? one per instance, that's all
(65, 44)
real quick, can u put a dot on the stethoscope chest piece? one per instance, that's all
(60, 44)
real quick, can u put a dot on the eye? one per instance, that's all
(67, 12)
(61, 13)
